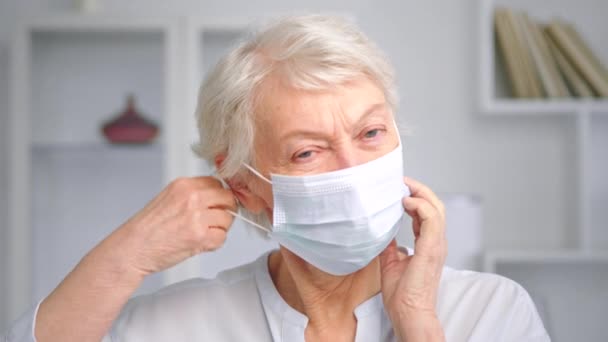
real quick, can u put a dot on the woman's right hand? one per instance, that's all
(187, 218)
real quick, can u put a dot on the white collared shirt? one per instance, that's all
(242, 304)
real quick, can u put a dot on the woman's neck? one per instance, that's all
(326, 300)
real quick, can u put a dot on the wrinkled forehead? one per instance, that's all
(280, 107)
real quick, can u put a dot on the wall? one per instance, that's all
(3, 185)
(518, 166)
(6, 25)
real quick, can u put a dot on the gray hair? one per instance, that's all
(309, 52)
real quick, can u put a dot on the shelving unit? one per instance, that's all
(569, 285)
(588, 114)
(70, 73)
(58, 153)
(598, 169)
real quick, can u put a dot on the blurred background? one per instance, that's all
(505, 106)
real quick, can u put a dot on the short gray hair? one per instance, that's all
(309, 52)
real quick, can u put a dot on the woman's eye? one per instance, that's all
(372, 133)
(304, 155)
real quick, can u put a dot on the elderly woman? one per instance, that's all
(299, 121)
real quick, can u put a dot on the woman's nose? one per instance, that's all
(347, 157)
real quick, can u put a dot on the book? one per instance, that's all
(507, 46)
(534, 87)
(585, 48)
(552, 81)
(578, 86)
(583, 65)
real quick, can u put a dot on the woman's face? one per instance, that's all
(305, 132)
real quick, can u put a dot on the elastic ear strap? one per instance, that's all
(257, 173)
(216, 175)
(248, 221)
(397, 130)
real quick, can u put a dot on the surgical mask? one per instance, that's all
(339, 221)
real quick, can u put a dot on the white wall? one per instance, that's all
(3, 185)
(6, 26)
(518, 166)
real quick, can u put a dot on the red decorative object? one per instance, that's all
(130, 127)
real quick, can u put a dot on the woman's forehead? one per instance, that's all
(281, 108)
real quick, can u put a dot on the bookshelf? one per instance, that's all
(70, 73)
(56, 144)
(568, 284)
(493, 86)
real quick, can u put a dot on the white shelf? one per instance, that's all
(71, 73)
(493, 84)
(543, 107)
(493, 259)
(588, 115)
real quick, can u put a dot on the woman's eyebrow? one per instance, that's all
(373, 109)
(303, 133)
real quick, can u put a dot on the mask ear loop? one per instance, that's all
(235, 214)
(397, 131)
(255, 172)
(266, 230)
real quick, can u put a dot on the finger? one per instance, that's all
(214, 239)
(217, 218)
(418, 189)
(389, 255)
(390, 272)
(220, 198)
(430, 241)
(416, 227)
(421, 208)
(207, 181)
(403, 253)
(431, 222)
(415, 221)
(212, 182)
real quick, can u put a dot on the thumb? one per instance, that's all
(389, 257)
(391, 269)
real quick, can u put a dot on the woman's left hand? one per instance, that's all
(410, 282)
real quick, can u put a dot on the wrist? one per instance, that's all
(412, 325)
(113, 260)
(103, 281)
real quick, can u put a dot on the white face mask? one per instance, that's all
(339, 221)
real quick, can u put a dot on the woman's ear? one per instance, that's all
(219, 160)
(248, 199)
(241, 190)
